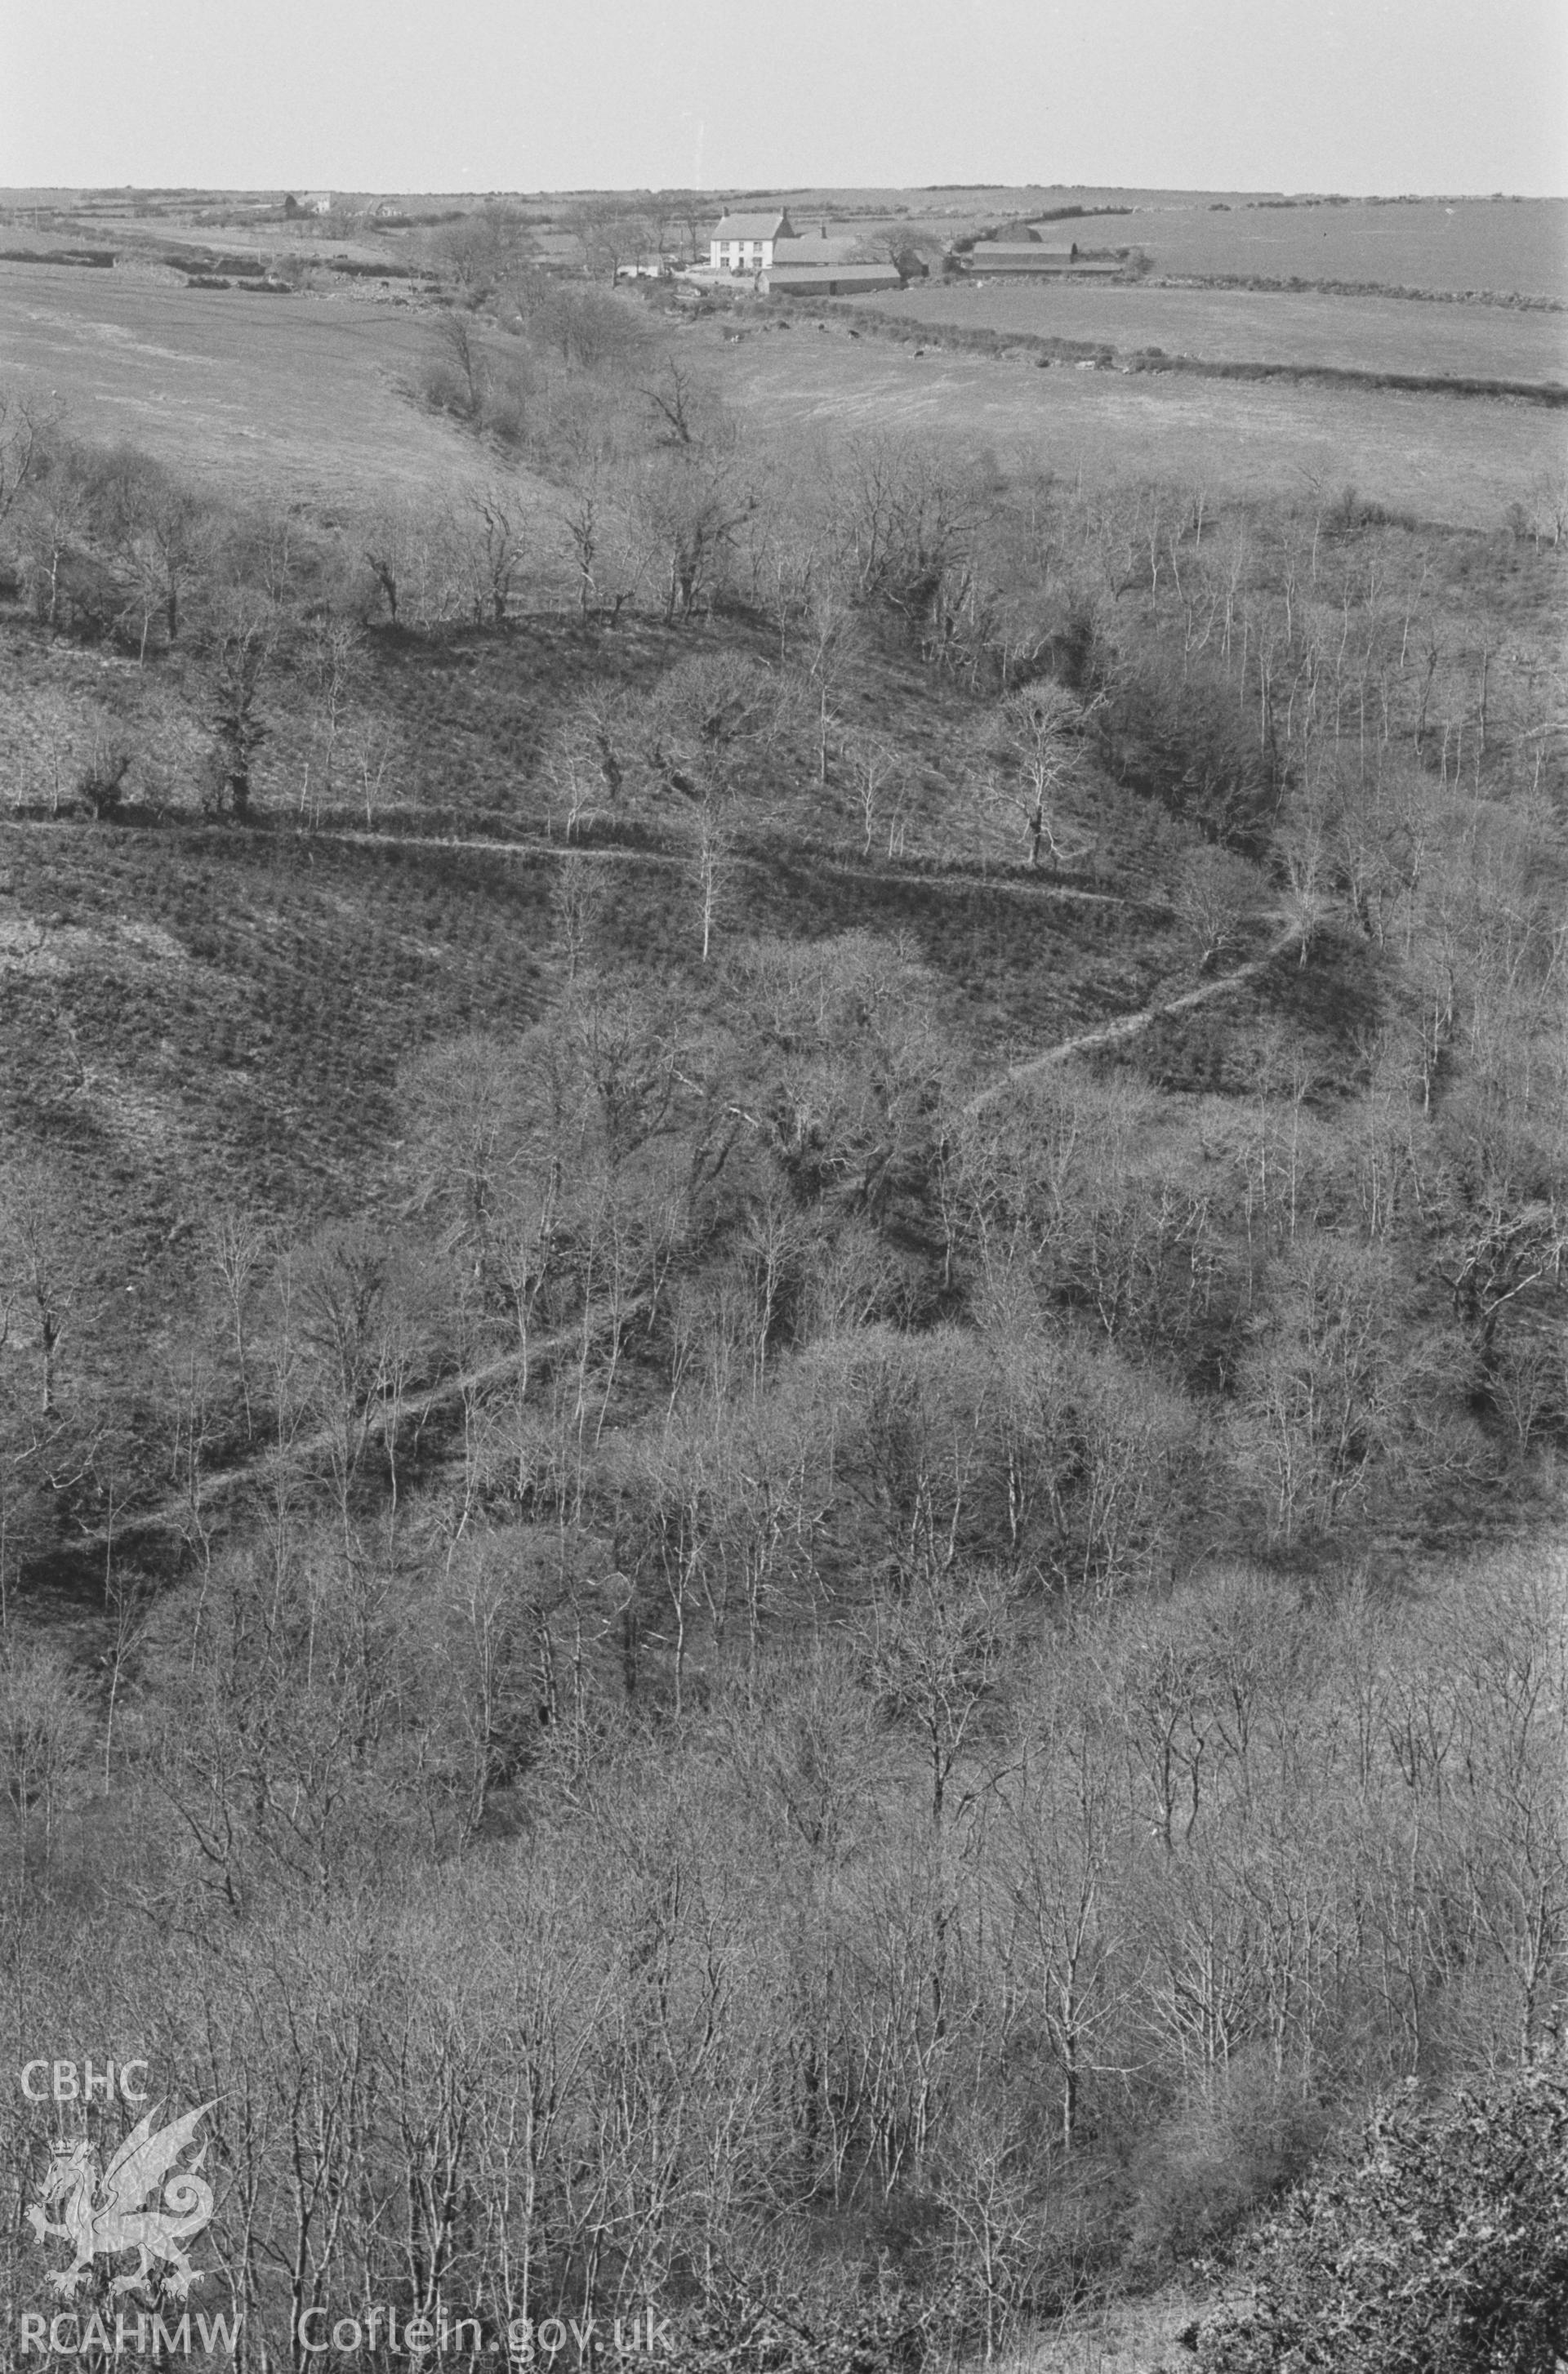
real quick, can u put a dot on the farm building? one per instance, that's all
(310, 201)
(1021, 255)
(746, 242)
(825, 277)
(1016, 256)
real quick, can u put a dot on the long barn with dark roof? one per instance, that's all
(1016, 256)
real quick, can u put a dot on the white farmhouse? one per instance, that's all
(746, 242)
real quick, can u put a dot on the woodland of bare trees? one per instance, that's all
(771, 1668)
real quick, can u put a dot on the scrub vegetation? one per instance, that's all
(783, 1347)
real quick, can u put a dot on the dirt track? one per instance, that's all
(1034, 887)
(1128, 1026)
(184, 1514)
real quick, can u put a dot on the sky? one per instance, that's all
(1358, 95)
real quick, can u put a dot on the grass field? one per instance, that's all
(1447, 459)
(1511, 246)
(1465, 243)
(292, 391)
(1428, 244)
(1514, 246)
(303, 395)
(1369, 334)
(1461, 244)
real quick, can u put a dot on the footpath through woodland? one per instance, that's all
(183, 1513)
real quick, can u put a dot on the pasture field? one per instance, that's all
(1372, 334)
(1452, 460)
(1464, 243)
(289, 391)
(1503, 246)
(307, 394)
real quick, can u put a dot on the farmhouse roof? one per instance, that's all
(1034, 249)
(753, 227)
(794, 249)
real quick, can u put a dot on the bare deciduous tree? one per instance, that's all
(1036, 744)
(577, 900)
(687, 508)
(334, 666)
(1214, 894)
(240, 645)
(872, 762)
(493, 538)
(587, 756)
(41, 1270)
(712, 867)
(459, 371)
(28, 422)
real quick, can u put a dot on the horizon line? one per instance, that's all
(780, 189)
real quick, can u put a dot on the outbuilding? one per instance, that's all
(1020, 255)
(827, 279)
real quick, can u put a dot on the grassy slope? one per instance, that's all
(208, 1014)
(307, 970)
(301, 395)
(188, 1012)
(1450, 460)
(297, 394)
(256, 1031)
(195, 1019)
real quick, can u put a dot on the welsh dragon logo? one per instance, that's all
(103, 2217)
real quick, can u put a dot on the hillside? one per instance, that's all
(782, 1334)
